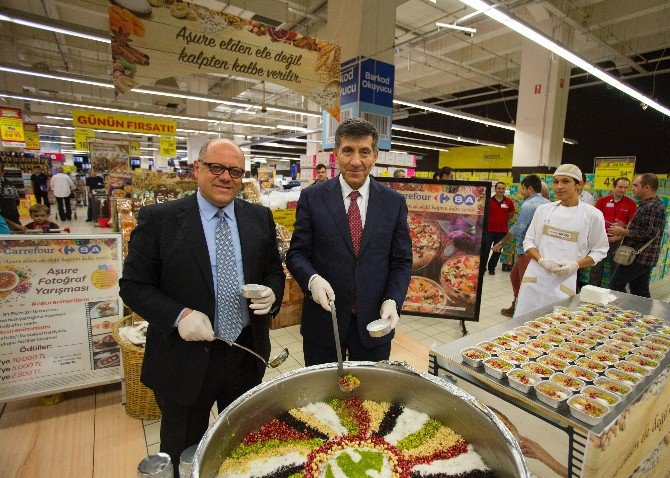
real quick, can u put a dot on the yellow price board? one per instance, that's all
(81, 138)
(168, 146)
(31, 132)
(609, 169)
(11, 128)
(134, 148)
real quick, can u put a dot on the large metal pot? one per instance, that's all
(390, 382)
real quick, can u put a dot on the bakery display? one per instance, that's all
(354, 438)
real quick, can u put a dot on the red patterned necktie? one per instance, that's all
(356, 229)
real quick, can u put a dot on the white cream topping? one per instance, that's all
(463, 463)
(325, 414)
(410, 421)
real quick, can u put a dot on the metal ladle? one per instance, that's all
(274, 362)
(338, 350)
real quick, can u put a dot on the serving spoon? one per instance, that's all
(347, 382)
(274, 362)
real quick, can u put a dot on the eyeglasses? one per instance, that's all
(218, 169)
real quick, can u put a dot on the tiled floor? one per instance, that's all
(497, 294)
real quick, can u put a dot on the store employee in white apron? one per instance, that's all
(563, 237)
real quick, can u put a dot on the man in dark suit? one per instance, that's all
(186, 263)
(351, 244)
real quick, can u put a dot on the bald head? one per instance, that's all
(204, 149)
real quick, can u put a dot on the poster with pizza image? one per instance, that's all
(447, 223)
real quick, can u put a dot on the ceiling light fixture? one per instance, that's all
(456, 114)
(426, 132)
(455, 27)
(410, 145)
(294, 128)
(548, 43)
(34, 23)
(132, 112)
(56, 76)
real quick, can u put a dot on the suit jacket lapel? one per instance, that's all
(335, 204)
(246, 233)
(373, 212)
(190, 222)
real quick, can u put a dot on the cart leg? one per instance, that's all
(465, 331)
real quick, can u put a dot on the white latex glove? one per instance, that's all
(195, 326)
(547, 264)
(322, 292)
(263, 305)
(566, 268)
(389, 311)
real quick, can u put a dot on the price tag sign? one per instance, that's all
(168, 146)
(81, 138)
(607, 170)
(11, 128)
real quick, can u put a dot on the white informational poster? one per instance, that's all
(59, 296)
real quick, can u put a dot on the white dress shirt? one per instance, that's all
(362, 200)
(62, 185)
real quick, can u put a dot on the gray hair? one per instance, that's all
(203, 149)
(357, 128)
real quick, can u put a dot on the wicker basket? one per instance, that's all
(140, 400)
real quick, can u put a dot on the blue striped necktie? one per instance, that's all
(228, 307)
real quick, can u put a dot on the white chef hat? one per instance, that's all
(569, 170)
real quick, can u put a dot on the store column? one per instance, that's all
(365, 30)
(543, 98)
(196, 108)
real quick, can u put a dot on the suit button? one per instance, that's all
(206, 349)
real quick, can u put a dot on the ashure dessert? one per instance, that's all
(354, 439)
(587, 409)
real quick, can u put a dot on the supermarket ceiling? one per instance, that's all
(436, 65)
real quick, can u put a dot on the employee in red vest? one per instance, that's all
(500, 210)
(615, 207)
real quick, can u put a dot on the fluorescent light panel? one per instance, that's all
(434, 134)
(550, 44)
(456, 27)
(456, 114)
(410, 145)
(53, 28)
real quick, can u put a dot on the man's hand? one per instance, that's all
(566, 268)
(612, 239)
(263, 305)
(322, 292)
(618, 229)
(195, 325)
(497, 247)
(547, 264)
(389, 311)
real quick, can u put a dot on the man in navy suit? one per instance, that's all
(350, 245)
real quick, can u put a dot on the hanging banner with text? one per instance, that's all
(607, 170)
(81, 138)
(447, 228)
(183, 38)
(11, 128)
(168, 146)
(477, 157)
(59, 296)
(32, 135)
(117, 122)
(135, 148)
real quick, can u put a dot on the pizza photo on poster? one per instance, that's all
(446, 224)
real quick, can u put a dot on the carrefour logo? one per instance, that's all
(442, 198)
(465, 199)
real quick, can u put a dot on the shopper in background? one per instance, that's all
(9, 202)
(444, 173)
(40, 183)
(530, 190)
(545, 190)
(584, 196)
(93, 182)
(320, 174)
(646, 226)
(399, 174)
(615, 207)
(4, 228)
(63, 187)
(501, 209)
(355, 251)
(563, 237)
(39, 213)
(187, 261)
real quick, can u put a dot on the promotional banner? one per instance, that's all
(32, 135)
(119, 122)
(110, 156)
(168, 146)
(81, 138)
(180, 38)
(11, 128)
(607, 170)
(135, 148)
(447, 227)
(638, 443)
(477, 157)
(59, 296)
